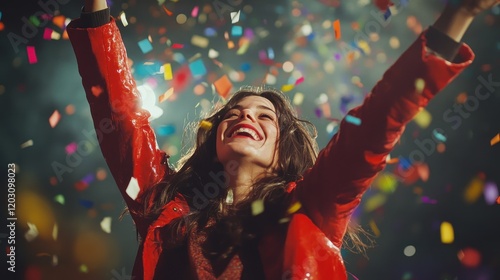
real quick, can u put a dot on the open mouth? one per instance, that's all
(245, 131)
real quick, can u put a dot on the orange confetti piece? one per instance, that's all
(167, 11)
(96, 90)
(374, 228)
(166, 95)
(59, 21)
(498, 200)
(223, 86)
(54, 118)
(336, 28)
(495, 140)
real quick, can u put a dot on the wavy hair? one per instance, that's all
(297, 152)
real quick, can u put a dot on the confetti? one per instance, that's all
(286, 88)
(223, 86)
(177, 46)
(419, 85)
(427, 200)
(27, 144)
(86, 203)
(353, 120)
(60, 199)
(257, 207)
(213, 53)
(374, 228)
(439, 136)
(47, 33)
(54, 118)
(298, 98)
(167, 11)
(106, 224)
(469, 257)
(236, 30)
(299, 81)
(31, 54)
(133, 188)
(194, 12)
(474, 190)
(387, 14)
(83, 268)
(490, 193)
(32, 232)
(162, 98)
(166, 130)
(294, 207)
(145, 46)
(96, 90)
(375, 202)
(197, 68)
(123, 19)
(55, 231)
(423, 119)
(206, 125)
(336, 28)
(71, 148)
(495, 140)
(447, 233)
(167, 71)
(235, 17)
(199, 41)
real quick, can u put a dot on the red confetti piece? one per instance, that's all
(47, 34)
(336, 28)
(96, 90)
(81, 185)
(31, 54)
(177, 46)
(54, 119)
(167, 11)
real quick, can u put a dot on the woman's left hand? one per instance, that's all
(475, 7)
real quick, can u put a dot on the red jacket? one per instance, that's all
(329, 192)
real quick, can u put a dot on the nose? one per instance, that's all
(247, 114)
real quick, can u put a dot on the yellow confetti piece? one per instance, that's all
(55, 260)
(55, 231)
(298, 98)
(447, 233)
(167, 72)
(286, 88)
(423, 118)
(84, 268)
(419, 85)
(199, 41)
(495, 140)
(374, 228)
(27, 144)
(206, 125)
(294, 208)
(375, 202)
(257, 207)
(474, 190)
(386, 182)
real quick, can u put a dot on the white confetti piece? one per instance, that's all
(133, 188)
(32, 232)
(106, 224)
(235, 16)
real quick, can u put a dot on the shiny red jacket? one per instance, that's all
(329, 191)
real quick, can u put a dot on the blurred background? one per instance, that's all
(439, 219)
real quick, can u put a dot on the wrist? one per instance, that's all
(454, 22)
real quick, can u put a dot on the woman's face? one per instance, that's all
(249, 132)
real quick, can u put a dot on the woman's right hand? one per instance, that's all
(94, 5)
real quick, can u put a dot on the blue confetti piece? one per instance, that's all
(237, 30)
(404, 3)
(352, 119)
(197, 68)
(89, 178)
(0, 15)
(145, 46)
(403, 162)
(166, 130)
(439, 136)
(270, 53)
(311, 36)
(387, 13)
(245, 67)
(86, 203)
(210, 32)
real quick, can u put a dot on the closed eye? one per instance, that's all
(266, 116)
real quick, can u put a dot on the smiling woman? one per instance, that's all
(253, 199)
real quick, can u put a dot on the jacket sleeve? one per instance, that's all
(346, 167)
(127, 141)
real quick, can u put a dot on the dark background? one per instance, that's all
(403, 211)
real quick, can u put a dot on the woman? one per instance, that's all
(252, 200)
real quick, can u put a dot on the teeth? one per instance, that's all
(254, 134)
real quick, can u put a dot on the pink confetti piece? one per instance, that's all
(31, 54)
(54, 118)
(428, 200)
(194, 12)
(47, 33)
(71, 148)
(299, 81)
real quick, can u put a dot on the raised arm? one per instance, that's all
(347, 166)
(127, 141)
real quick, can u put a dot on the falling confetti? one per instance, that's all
(336, 28)
(133, 188)
(32, 232)
(495, 140)
(27, 144)
(474, 190)
(447, 233)
(106, 224)
(206, 125)
(223, 86)
(54, 118)
(294, 207)
(123, 19)
(353, 120)
(31, 54)
(162, 98)
(59, 198)
(145, 46)
(257, 207)
(235, 17)
(374, 228)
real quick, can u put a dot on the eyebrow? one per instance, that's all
(239, 107)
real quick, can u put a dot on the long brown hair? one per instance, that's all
(297, 151)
